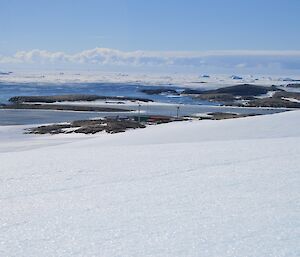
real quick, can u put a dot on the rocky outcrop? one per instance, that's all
(285, 94)
(87, 127)
(278, 100)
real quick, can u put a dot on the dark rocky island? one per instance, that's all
(62, 107)
(72, 98)
(53, 103)
(158, 91)
(190, 91)
(242, 95)
(252, 96)
(243, 90)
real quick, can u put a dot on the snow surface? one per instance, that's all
(201, 188)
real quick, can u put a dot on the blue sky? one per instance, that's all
(73, 26)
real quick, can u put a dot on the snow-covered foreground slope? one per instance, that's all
(208, 188)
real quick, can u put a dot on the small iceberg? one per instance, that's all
(236, 77)
(205, 76)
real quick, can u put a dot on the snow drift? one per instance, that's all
(207, 188)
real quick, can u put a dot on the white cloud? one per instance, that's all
(220, 60)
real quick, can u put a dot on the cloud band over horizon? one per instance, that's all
(219, 61)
